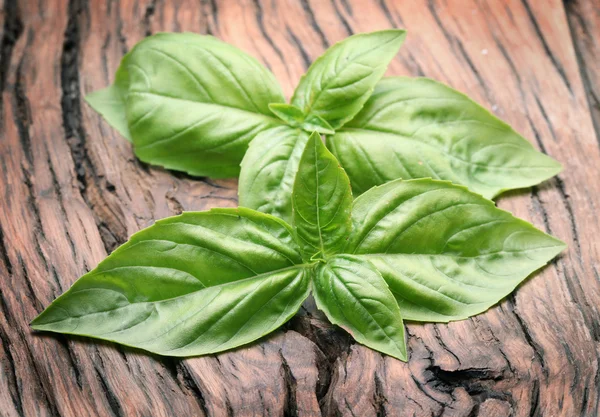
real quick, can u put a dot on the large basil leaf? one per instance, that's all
(340, 81)
(269, 169)
(189, 285)
(321, 201)
(445, 252)
(416, 127)
(354, 296)
(193, 103)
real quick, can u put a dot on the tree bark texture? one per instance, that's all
(71, 190)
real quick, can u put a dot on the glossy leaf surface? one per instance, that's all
(189, 285)
(269, 170)
(193, 103)
(339, 82)
(354, 296)
(417, 127)
(445, 252)
(321, 201)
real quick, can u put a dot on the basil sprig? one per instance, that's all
(204, 282)
(193, 103)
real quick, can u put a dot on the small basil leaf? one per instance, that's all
(354, 296)
(292, 115)
(416, 127)
(321, 201)
(193, 103)
(339, 82)
(189, 285)
(445, 252)
(315, 123)
(269, 169)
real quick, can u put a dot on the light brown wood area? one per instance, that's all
(71, 191)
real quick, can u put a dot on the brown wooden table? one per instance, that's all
(71, 191)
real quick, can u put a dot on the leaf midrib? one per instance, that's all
(218, 105)
(276, 271)
(444, 152)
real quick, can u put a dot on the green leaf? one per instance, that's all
(110, 103)
(193, 103)
(293, 116)
(416, 127)
(354, 296)
(339, 82)
(321, 201)
(445, 252)
(269, 169)
(189, 285)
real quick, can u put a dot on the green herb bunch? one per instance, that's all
(414, 244)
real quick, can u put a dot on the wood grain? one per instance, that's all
(72, 191)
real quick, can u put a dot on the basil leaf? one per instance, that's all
(189, 285)
(445, 252)
(354, 296)
(110, 103)
(193, 103)
(339, 82)
(321, 201)
(269, 169)
(293, 116)
(417, 127)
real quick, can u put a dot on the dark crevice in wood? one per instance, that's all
(119, 30)
(229, 407)
(387, 13)
(22, 113)
(109, 394)
(91, 185)
(46, 398)
(4, 254)
(379, 398)
(15, 387)
(342, 19)
(535, 399)
(305, 58)
(406, 57)
(214, 13)
(190, 384)
(477, 382)
(545, 116)
(72, 359)
(38, 305)
(148, 14)
(536, 27)
(174, 204)
(592, 99)
(458, 46)
(347, 7)
(538, 351)
(291, 404)
(12, 30)
(261, 26)
(61, 204)
(71, 109)
(564, 196)
(313, 23)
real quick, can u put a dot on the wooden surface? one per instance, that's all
(71, 191)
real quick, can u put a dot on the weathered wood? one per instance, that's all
(72, 191)
(584, 20)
